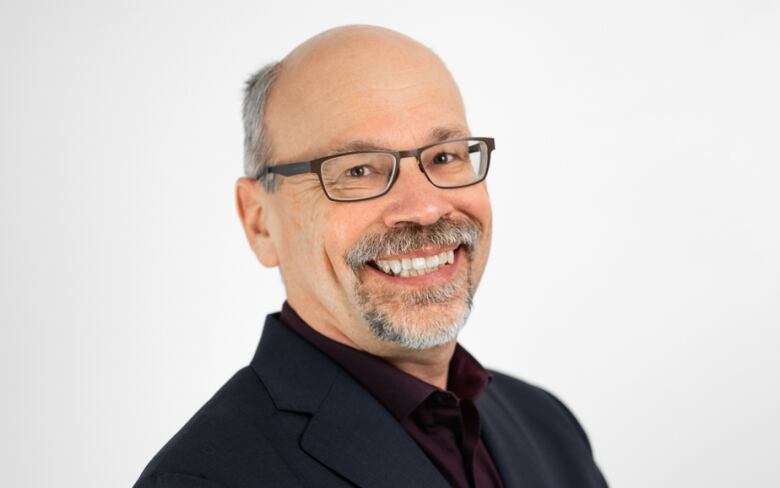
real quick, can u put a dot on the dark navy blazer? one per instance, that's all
(294, 418)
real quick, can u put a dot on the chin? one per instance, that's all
(418, 320)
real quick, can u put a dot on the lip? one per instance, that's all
(425, 252)
(438, 277)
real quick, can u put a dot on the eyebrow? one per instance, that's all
(437, 134)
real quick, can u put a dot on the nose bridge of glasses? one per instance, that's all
(412, 153)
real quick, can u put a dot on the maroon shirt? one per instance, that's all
(445, 424)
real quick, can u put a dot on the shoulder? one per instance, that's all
(518, 413)
(540, 408)
(233, 425)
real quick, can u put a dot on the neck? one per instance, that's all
(431, 366)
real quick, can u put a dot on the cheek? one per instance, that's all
(346, 224)
(298, 247)
(476, 204)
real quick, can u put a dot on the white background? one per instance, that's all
(635, 270)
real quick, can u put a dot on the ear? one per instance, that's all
(253, 205)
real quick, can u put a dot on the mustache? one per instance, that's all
(411, 236)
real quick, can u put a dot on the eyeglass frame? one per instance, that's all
(315, 166)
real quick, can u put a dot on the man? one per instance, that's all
(366, 188)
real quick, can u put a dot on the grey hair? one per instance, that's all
(257, 148)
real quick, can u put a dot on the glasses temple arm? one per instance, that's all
(286, 169)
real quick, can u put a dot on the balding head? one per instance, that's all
(335, 84)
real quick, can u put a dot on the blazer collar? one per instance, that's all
(349, 431)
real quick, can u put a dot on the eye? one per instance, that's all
(358, 171)
(442, 158)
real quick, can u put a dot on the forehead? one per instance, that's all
(391, 93)
(434, 135)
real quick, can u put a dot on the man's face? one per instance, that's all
(377, 93)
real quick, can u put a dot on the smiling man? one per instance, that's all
(367, 189)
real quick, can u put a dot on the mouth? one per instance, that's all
(417, 263)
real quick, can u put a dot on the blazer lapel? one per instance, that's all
(349, 431)
(508, 443)
(357, 437)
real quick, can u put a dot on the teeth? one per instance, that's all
(417, 266)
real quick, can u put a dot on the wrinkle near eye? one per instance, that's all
(305, 189)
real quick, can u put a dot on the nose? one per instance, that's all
(413, 199)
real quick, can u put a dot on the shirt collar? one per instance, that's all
(399, 392)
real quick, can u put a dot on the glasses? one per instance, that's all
(362, 175)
